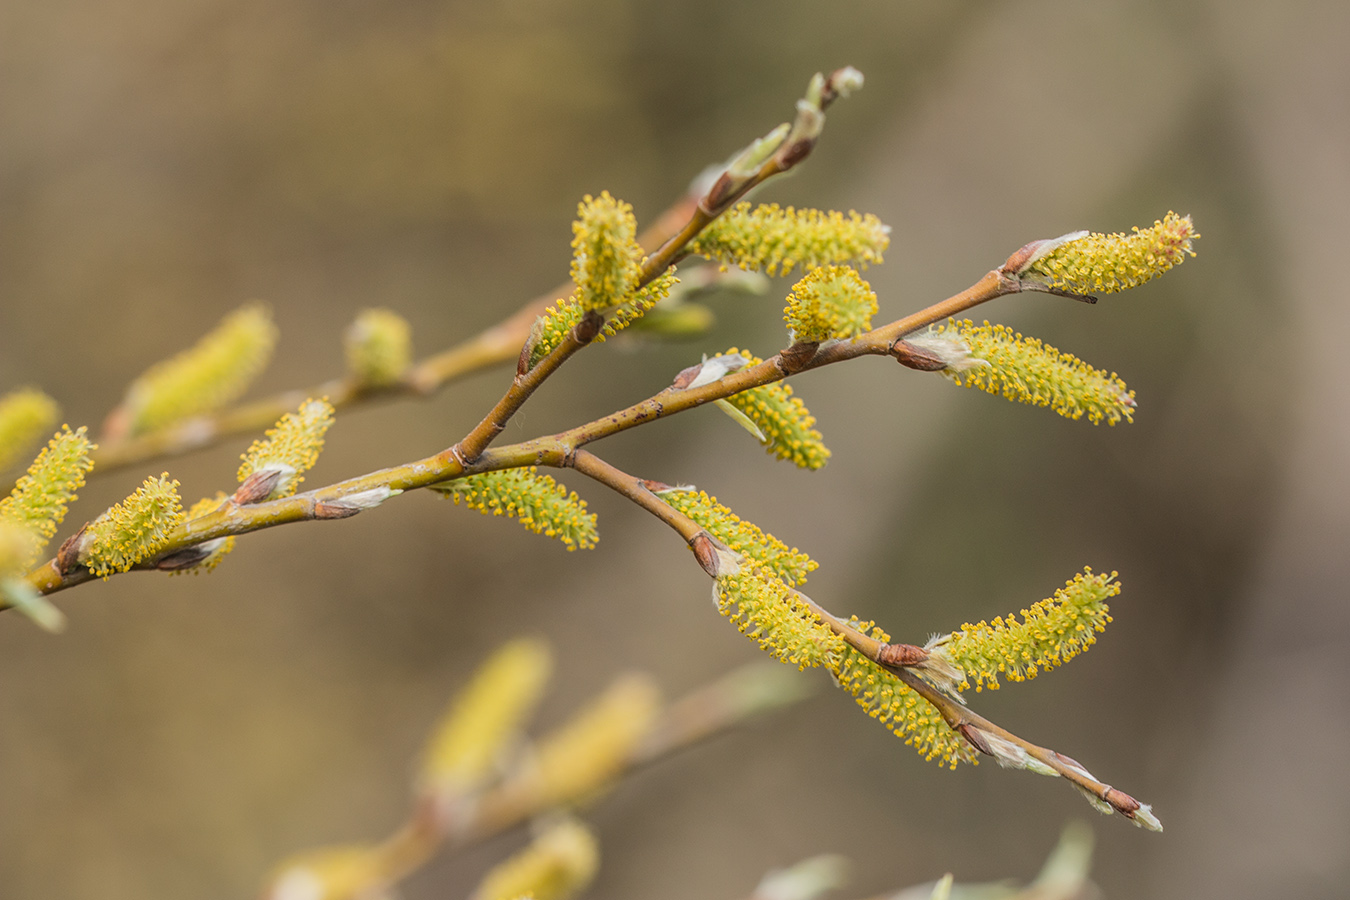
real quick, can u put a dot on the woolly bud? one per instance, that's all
(379, 347)
(830, 302)
(484, 721)
(133, 530)
(776, 240)
(1051, 633)
(998, 360)
(586, 753)
(560, 863)
(552, 327)
(765, 609)
(782, 419)
(291, 447)
(748, 161)
(217, 370)
(893, 703)
(25, 415)
(541, 504)
(331, 873)
(1106, 263)
(743, 537)
(606, 258)
(39, 499)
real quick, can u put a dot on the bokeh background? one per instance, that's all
(163, 162)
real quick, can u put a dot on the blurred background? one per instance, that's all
(161, 163)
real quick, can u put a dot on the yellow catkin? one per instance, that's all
(541, 504)
(217, 370)
(586, 753)
(775, 240)
(344, 872)
(557, 865)
(606, 258)
(830, 302)
(25, 416)
(1000, 361)
(135, 529)
(292, 446)
(39, 500)
(746, 538)
(767, 611)
(891, 702)
(485, 719)
(783, 419)
(378, 345)
(1105, 263)
(1051, 633)
(552, 327)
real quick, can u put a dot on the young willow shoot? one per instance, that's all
(618, 275)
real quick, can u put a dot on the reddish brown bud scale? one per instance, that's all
(796, 357)
(975, 738)
(705, 552)
(257, 487)
(915, 358)
(68, 557)
(901, 655)
(1122, 802)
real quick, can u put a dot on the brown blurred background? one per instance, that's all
(163, 162)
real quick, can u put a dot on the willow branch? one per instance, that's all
(704, 713)
(558, 451)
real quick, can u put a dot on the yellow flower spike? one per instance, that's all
(39, 500)
(1051, 633)
(484, 721)
(217, 370)
(830, 302)
(769, 612)
(586, 753)
(776, 240)
(746, 538)
(25, 416)
(782, 419)
(552, 327)
(891, 702)
(290, 448)
(606, 258)
(1106, 263)
(345, 872)
(378, 345)
(1000, 361)
(541, 504)
(133, 530)
(560, 863)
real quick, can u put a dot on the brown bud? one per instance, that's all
(975, 738)
(686, 377)
(795, 358)
(334, 510)
(705, 552)
(68, 556)
(722, 193)
(1121, 801)
(257, 487)
(901, 655)
(183, 559)
(916, 358)
(589, 326)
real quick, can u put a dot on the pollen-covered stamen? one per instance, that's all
(39, 500)
(133, 530)
(540, 503)
(830, 302)
(776, 240)
(1106, 263)
(606, 258)
(998, 360)
(378, 345)
(782, 419)
(274, 465)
